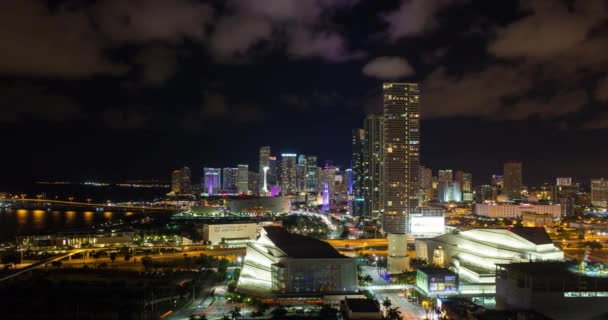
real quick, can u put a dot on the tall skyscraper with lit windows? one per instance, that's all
(288, 173)
(243, 178)
(374, 161)
(311, 176)
(181, 181)
(513, 179)
(230, 177)
(359, 172)
(401, 137)
(264, 163)
(301, 172)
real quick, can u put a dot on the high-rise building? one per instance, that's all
(445, 176)
(465, 181)
(264, 162)
(374, 161)
(402, 154)
(599, 192)
(449, 192)
(212, 181)
(513, 179)
(230, 180)
(311, 175)
(359, 172)
(485, 192)
(498, 181)
(566, 195)
(301, 172)
(563, 181)
(181, 181)
(243, 178)
(273, 172)
(327, 179)
(426, 185)
(253, 182)
(288, 173)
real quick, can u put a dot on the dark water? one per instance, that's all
(29, 221)
(81, 193)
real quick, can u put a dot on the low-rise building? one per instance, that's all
(474, 254)
(221, 233)
(557, 290)
(283, 263)
(360, 309)
(512, 211)
(436, 281)
(531, 219)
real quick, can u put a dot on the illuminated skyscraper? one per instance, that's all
(273, 172)
(264, 162)
(230, 177)
(599, 192)
(212, 181)
(513, 179)
(301, 172)
(465, 181)
(243, 178)
(445, 175)
(181, 181)
(374, 161)
(563, 181)
(253, 181)
(359, 190)
(402, 154)
(311, 176)
(426, 185)
(288, 173)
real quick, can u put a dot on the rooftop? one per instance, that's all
(534, 235)
(299, 246)
(436, 270)
(362, 305)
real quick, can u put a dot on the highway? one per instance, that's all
(40, 263)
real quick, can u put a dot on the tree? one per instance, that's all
(232, 285)
(393, 314)
(10, 257)
(327, 312)
(387, 303)
(102, 265)
(235, 313)
(279, 312)
(203, 317)
(127, 257)
(113, 257)
(147, 262)
(56, 264)
(416, 263)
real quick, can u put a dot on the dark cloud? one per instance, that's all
(389, 68)
(153, 20)
(23, 101)
(157, 65)
(214, 105)
(124, 118)
(297, 25)
(601, 90)
(58, 43)
(414, 17)
(544, 57)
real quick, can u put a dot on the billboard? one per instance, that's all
(425, 224)
(443, 283)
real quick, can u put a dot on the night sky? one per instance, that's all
(115, 90)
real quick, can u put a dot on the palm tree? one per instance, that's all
(393, 314)
(236, 313)
(387, 302)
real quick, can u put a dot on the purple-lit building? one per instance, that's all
(212, 178)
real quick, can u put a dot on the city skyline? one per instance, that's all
(131, 93)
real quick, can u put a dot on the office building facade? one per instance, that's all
(230, 177)
(401, 154)
(359, 173)
(513, 180)
(243, 178)
(181, 181)
(374, 161)
(264, 162)
(288, 173)
(212, 181)
(599, 193)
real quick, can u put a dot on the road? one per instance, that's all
(201, 302)
(409, 311)
(39, 264)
